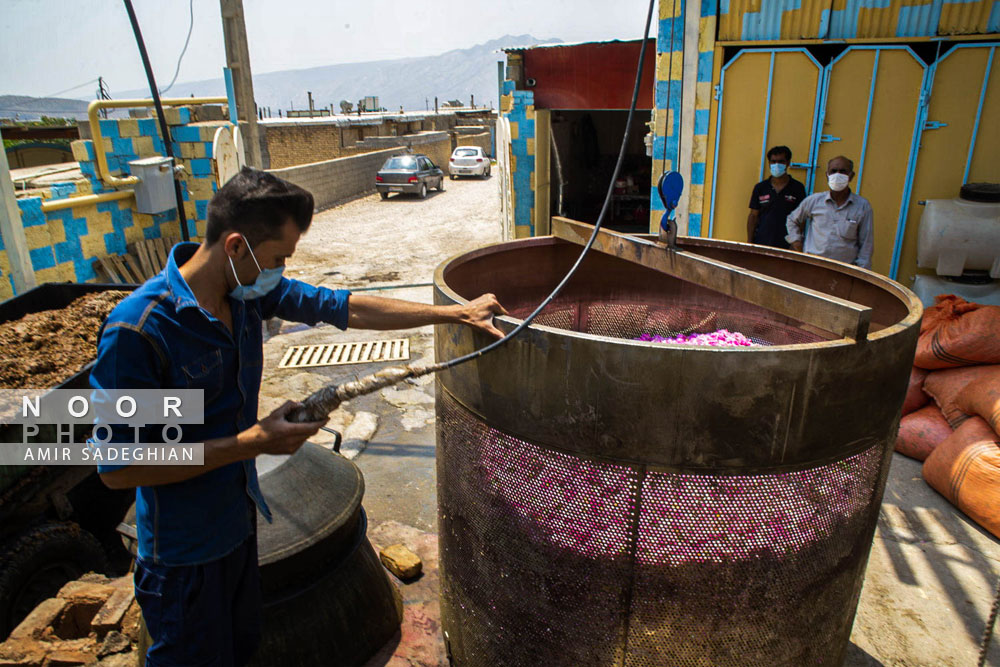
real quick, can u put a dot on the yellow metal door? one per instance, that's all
(961, 139)
(871, 101)
(768, 97)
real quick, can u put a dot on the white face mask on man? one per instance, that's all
(838, 182)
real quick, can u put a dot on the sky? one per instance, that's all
(49, 46)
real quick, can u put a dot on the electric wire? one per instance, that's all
(85, 83)
(597, 225)
(183, 51)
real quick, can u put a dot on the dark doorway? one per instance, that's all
(588, 143)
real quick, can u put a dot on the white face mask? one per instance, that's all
(838, 181)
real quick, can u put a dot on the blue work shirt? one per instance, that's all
(160, 338)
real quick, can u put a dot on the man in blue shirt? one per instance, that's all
(197, 325)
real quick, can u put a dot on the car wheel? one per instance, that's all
(384, 195)
(38, 561)
(488, 171)
(423, 191)
(440, 187)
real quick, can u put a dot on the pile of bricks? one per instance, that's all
(91, 621)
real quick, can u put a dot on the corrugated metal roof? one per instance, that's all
(969, 18)
(773, 19)
(745, 20)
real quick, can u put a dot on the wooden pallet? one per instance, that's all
(143, 260)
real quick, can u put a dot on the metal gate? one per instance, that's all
(915, 132)
(960, 141)
(766, 97)
(864, 104)
(872, 97)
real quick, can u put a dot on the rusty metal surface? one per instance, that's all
(604, 501)
(831, 313)
(716, 408)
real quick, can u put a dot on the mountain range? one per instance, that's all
(408, 82)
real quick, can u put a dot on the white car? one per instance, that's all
(468, 161)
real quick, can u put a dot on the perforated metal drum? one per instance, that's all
(605, 501)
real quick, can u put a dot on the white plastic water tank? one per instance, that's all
(958, 235)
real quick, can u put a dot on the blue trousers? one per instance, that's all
(201, 615)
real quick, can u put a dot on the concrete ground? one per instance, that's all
(932, 572)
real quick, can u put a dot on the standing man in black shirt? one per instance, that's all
(772, 200)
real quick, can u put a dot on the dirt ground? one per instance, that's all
(45, 348)
(931, 573)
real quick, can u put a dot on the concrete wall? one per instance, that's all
(290, 142)
(340, 179)
(482, 139)
(333, 181)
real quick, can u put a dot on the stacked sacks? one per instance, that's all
(960, 344)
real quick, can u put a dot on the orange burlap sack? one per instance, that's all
(965, 469)
(956, 332)
(921, 431)
(945, 386)
(982, 397)
(915, 396)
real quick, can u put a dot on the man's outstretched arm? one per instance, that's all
(374, 312)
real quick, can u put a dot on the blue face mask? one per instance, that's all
(778, 170)
(266, 281)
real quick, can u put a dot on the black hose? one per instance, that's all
(597, 225)
(181, 218)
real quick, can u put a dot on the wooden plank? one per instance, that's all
(134, 269)
(149, 247)
(140, 252)
(161, 254)
(107, 269)
(123, 269)
(839, 316)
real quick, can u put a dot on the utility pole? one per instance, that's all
(234, 31)
(102, 94)
(12, 231)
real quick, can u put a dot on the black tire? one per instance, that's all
(440, 187)
(489, 170)
(36, 563)
(423, 191)
(384, 195)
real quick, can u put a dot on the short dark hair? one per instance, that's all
(257, 204)
(783, 150)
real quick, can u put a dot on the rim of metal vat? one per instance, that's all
(726, 410)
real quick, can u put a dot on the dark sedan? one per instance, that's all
(414, 174)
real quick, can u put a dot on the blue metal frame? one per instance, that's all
(227, 74)
(911, 166)
(718, 123)
(868, 122)
(767, 118)
(979, 113)
(918, 126)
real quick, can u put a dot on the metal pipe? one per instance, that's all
(103, 173)
(559, 173)
(86, 200)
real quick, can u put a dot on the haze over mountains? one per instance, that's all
(410, 82)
